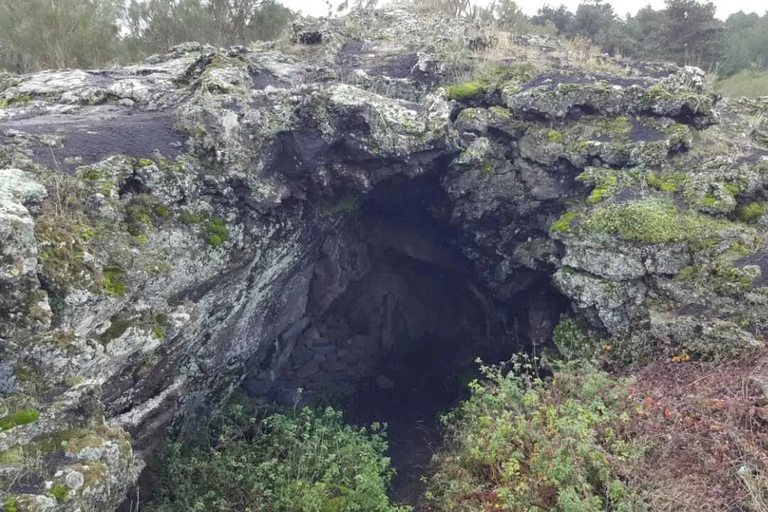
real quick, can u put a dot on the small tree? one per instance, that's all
(561, 18)
(692, 34)
(597, 21)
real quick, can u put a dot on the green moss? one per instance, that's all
(563, 224)
(750, 212)
(113, 282)
(666, 182)
(669, 186)
(654, 221)
(726, 274)
(11, 505)
(655, 94)
(607, 185)
(616, 127)
(555, 136)
(568, 88)
(25, 373)
(605, 181)
(21, 417)
(216, 232)
(500, 112)
(465, 91)
(573, 340)
(15, 101)
(597, 195)
(347, 204)
(160, 322)
(118, 324)
(140, 214)
(162, 211)
(504, 73)
(521, 126)
(144, 162)
(489, 167)
(12, 456)
(60, 492)
(686, 274)
(189, 218)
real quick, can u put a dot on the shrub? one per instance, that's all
(303, 462)
(524, 443)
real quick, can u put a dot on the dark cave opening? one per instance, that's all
(398, 319)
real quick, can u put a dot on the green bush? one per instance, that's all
(303, 462)
(527, 444)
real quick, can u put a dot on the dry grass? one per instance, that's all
(706, 428)
(504, 49)
(746, 83)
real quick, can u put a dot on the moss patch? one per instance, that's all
(21, 417)
(605, 181)
(216, 232)
(114, 282)
(465, 91)
(189, 218)
(118, 324)
(347, 204)
(555, 136)
(750, 212)
(563, 224)
(60, 492)
(655, 221)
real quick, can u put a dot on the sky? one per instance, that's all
(724, 7)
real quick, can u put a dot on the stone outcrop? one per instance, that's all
(173, 227)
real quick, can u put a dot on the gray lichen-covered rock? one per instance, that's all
(171, 227)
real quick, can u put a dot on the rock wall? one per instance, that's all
(167, 227)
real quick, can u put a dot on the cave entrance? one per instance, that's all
(397, 321)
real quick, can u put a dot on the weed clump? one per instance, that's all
(308, 461)
(525, 443)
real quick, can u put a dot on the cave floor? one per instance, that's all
(422, 389)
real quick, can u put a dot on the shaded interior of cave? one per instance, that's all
(398, 320)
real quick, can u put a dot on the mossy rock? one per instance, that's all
(655, 221)
(466, 91)
(18, 418)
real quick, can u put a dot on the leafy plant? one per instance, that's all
(302, 462)
(526, 443)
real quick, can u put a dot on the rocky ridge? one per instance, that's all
(170, 226)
